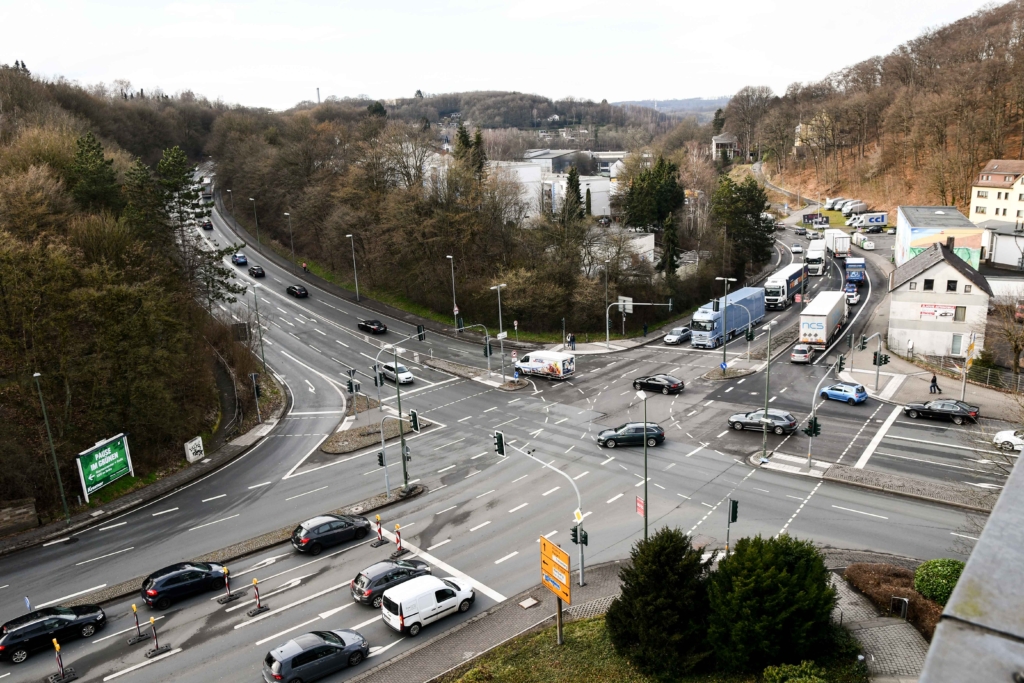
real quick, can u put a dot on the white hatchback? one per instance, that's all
(1009, 440)
(397, 373)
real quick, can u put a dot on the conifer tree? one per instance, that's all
(669, 248)
(91, 176)
(478, 156)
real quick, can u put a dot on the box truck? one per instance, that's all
(784, 284)
(856, 270)
(719, 321)
(815, 258)
(822, 319)
(553, 364)
(851, 208)
(837, 243)
(874, 219)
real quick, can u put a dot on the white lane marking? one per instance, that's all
(783, 390)
(728, 390)
(877, 439)
(722, 434)
(342, 343)
(484, 494)
(691, 413)
(708, 505)
(445, 469)
(615, 498)
(518, 507)
(520, 478)
(561, 421)
(549, 535)
(761, 490)
(122, 672)
(319, 412)
(580, 476)
(316, 330)
(608, 460)
(272, 612)
(570, 448)
(480, 526)
(771, 399)
(516, 399)
(447, 568)
(366, 623)
(490, 409)
(953, 533)
(450, 444)
(551, 490)
(112, 526)
(507, 557)
(374, 651)
(641, 482)
(709, 403)
(438, 545)
(73, 595)
(59, 540)
(693, 452)
(306, 493)
(480, 455)
(466, 418)
(660, 487)
(117, 633)
(670, 467)
(796, 497)
(163, 512)
(682, 496)
(117, 552)
(445, 510)
(858, 511)
(289, 630)
(207, 500)
(256, 486)
(213, 522)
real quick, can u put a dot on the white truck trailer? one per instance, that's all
(837, 243)
(822, 319)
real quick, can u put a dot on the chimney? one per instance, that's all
(949, 243)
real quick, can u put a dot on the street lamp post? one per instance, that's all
(725, 316)
(767, 379)
(605, 297)
(257, 219)
(501, 330)
(232, 197)
(291, 238)
(355, 273)
(643, 397)
(455, 306)
(53, 451)
(259, 327)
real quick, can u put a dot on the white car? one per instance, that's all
(421, 601)
(1009, 440)
(852, 298)
(402, 376)
(797, 249)
(677, 335)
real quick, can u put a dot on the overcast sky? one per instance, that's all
(275, 54)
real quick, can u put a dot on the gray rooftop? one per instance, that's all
(936, 253)
(724, 138)
(1002, 227)
(547, 153)
(935, 217)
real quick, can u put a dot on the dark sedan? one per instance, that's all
(207, 224)
(36, 630)
(315, 534)
(943, 409)
(257, 271)
(780, 421)
(369, 586)
(373, 326)
(665, 384)
(298, 291)
(170, 584)
(631, 434)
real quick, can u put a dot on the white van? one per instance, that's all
(410, 606)
(553, 364)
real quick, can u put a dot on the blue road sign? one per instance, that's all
(723, 366)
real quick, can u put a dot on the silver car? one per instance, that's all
(677, 335)
(397, 373)
(802, 353)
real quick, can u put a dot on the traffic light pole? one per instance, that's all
(814, 414)
(487, 342)
(380, 378)
(383, 462)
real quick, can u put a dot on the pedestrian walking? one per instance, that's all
(304, 268)
(572, 340)
(933, 388)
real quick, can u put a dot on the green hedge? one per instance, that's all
(935, 579)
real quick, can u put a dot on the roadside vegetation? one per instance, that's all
(926, 590)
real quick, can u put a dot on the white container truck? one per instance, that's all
(815, 258)
(553, 364)
(784, 284)
(717, 322)
(822, 319)
(867, 220)
(837, 243)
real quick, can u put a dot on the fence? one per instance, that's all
(952, 366)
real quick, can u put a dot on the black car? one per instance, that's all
(315, 534)
(36, 630)
(257, 271)
(315, 655)
(874, 230)
(170, 584)
(666, 384)
(944, 409)
(781, 421)
(373, 326)
(369, 585)
(631, 434)
(298, 291)
(207, 224)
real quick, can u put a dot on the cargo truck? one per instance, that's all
(856, 270)
(837, 243)
(815, 258)
(784, 284)
(875, 219)
(719, 321)
(822, 319)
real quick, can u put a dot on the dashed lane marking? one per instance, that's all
(615, 498)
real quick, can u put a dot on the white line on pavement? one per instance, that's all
(256, 486)
(122, 672)
(447, 568)
(518, 507)
(117, 633)
(953, 533)
(551, 490)
(445, 469)
(438, 545)
(59, 540)
(877, 439)
(73, 595)
(484, 494)
(608, 460)
(858, 511)
(722, 434)
(163, 512)
(480, 526)
(207, 500)
(580, 476)
(306, 493)
(118, 552)
(446, 509)
(213, 522)
(289, 630)
(612, 500)
(694, 451)
(520, 478)
(509, 556)
(306, 599)
(112, 526)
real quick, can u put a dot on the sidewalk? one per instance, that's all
(599, 347)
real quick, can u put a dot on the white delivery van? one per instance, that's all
(553, 364)
(410, 606)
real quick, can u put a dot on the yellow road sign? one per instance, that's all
(555, 570)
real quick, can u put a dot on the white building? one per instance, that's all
(998, 192)
(605, 161)
(727, 144)
(530, 179)
(555, 185)
(937, 301)
(919, 227)
(551, 160)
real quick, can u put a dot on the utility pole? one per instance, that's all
(725, 317)
(643, 397)
(291, 239)
(767, 379)
(401, 427)
(259, 327)
(53, 451)
(501, 331)
(257, 219)
(455, 306)
(355, 274)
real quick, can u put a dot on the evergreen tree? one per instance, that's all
(587, 208)
(463, 145)
(718, 122)
(739, 210)
(669, 248)
(478, 156)
(145, 211)
(377, 109)
(573, 199)
(182, 199)
(91, 177)
(419, 94)
(659, 621)
(653, 195)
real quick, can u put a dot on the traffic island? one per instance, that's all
(514, 385)
(730, 373)
(351, 440)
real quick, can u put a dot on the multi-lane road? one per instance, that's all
(482, 514)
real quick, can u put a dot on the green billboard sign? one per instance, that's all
(104, 463)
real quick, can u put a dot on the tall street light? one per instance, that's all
(765, 420)
(643, 397)
(253, 200)
(259, 327)
(501, 331)
(291, 239)
(455, 306)
(605, 300)
(232, 197)
(354, 273)
(53, 451)
(725, 316)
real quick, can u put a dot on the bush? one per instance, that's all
(879, 582)
(659, 622)
(804, 672)
(935, 579)
(771, 603)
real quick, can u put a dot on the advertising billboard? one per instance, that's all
(104, 463)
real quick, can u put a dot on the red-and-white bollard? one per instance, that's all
(157, 648)
(60, 662)
(260, 607)
(380, 536)
(399, 551)
(228, 595)
(138, 637)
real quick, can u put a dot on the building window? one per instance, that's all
(982, 194)
(913, 285)
(1008, 178)
(999, 195)
(967, 289)
(950, 285)
(1020, 214)
(979, 209)
(960, 314)
(1020, 197)
(958, 340)
(929, 285)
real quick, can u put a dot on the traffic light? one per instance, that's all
(351, 387)
(421, 333)
(583, 537)
(750, 334)
(841, 363)
(863, 342)
(487, 349)
(407, 456)
(813, 428)
(574, 534)
(884, 359)
(874, 357)
(499, 443)
(849, 340)
(734, 511)
(380, 458)
(414, 418)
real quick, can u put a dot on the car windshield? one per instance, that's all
(706, 326)
(859, 389)
(1019, 433)
(773, 291)
(677, 331)
(299, 531)
(329, 637)
(275, 666)
(401, 368)
(451, 585)
(362, 581)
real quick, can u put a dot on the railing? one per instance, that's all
(952, 367)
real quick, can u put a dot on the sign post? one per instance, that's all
(104, 463)
(555, 569)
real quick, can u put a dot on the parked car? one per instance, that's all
(369, 585)
(852, 298)
(397, 373)
(1009, 440)
(315, 655)
(207, 224)
(802, 353)
(799, 231)
(313, 535)
(298, 291)
(631, 434)
(257, 271)
(875, 230)
(845, 391)
(373, 326)
(677, 335)
(943, 409)
(410, 606)
(666, 384)
(797, 249)
(781, 421)
(239, 259)
(605, 221)
(164, 587)
(890, 231)
(36, 630)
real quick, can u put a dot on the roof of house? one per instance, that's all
(724, 138)
(931, 256)
(934, 217)
(999, 170)
(1002, 227)
(547, 153)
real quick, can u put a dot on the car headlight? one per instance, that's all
(362, 643)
